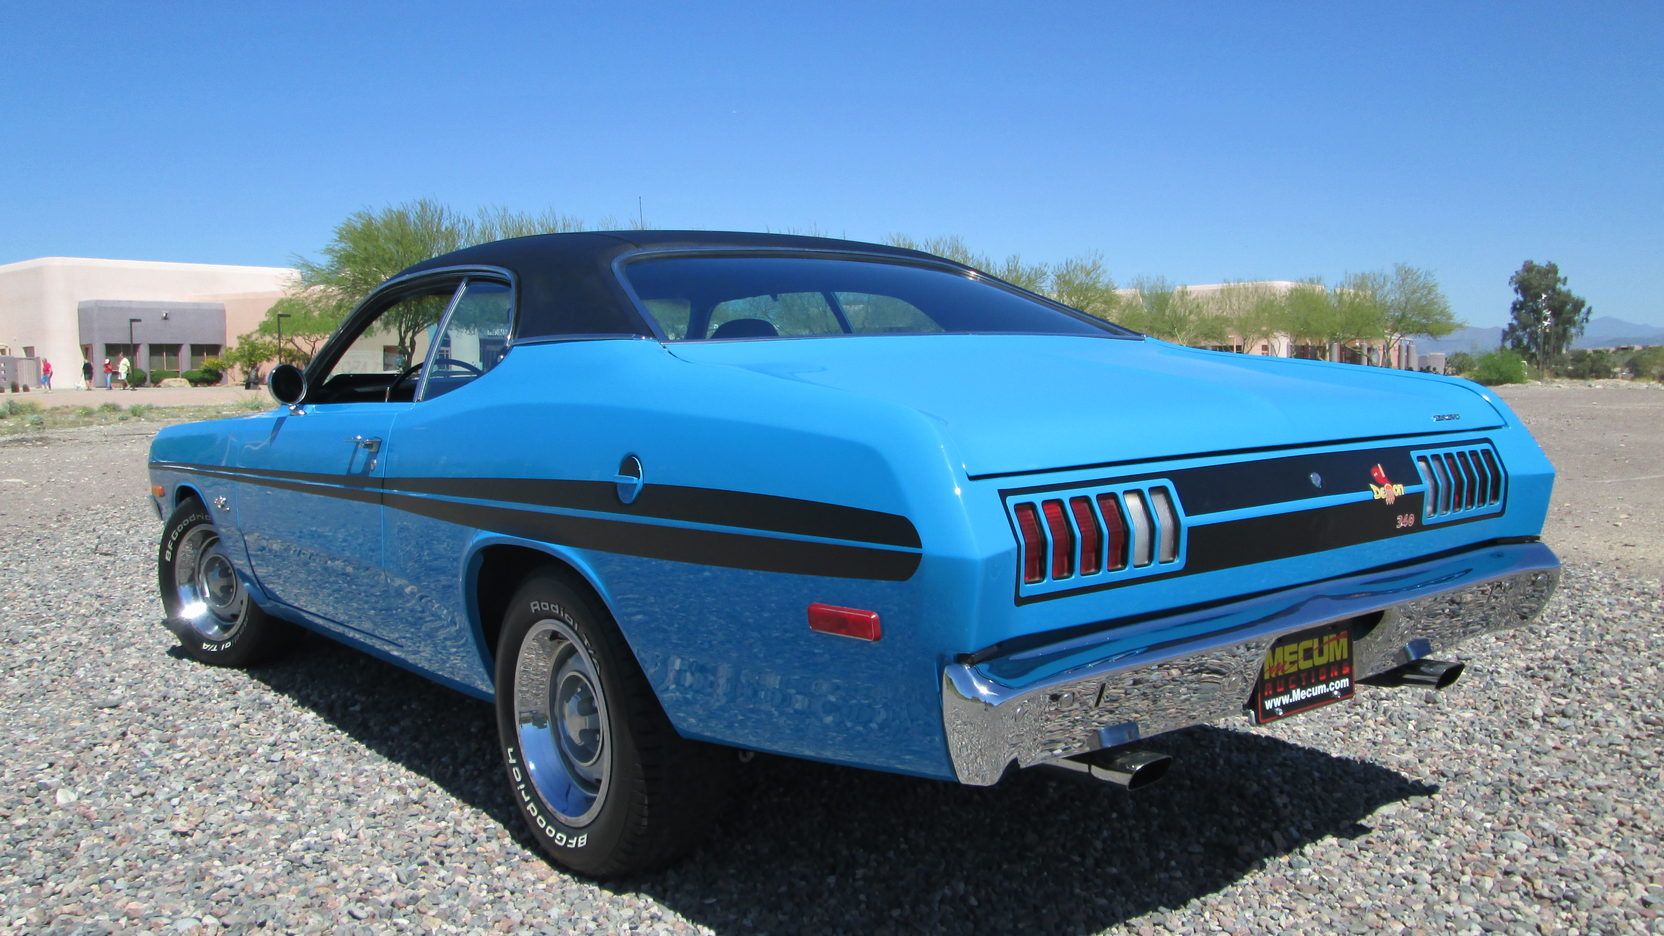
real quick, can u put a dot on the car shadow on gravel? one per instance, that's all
(809, 846)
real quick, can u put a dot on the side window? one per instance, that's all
(672, 315)
(789, 314)
(474, 340)
(383, 358)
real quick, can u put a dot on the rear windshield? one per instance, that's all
(725, 297)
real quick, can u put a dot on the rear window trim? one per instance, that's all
(1107, 328)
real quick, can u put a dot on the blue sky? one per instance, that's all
(1201, 142)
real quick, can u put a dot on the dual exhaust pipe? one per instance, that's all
(1134, 770)
(1129, 770)
(1427, 673)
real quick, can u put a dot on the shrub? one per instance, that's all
(18, 408)
(203, 377)
(1499, 367)
(137, 378)
(140, 410)
(1646, 364)
(161, 375)
(1458, 362)
(109, 407)
(1590, 365)
(36, 420)
(86, 411)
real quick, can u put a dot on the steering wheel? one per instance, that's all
(405, 374)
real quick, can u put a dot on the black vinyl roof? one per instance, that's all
(566, 281)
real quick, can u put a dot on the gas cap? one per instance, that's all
(629, 479)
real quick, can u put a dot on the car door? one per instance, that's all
(312, 519)
(433, 467)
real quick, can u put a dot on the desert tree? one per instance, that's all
(1413, 304)
(1546, 316)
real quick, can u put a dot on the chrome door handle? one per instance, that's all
(367, 443)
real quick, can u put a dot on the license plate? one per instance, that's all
(1303, 671)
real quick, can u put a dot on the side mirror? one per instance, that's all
(286, 383)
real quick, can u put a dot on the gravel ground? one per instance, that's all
(330, 791)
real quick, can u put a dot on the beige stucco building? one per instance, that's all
(70, 309)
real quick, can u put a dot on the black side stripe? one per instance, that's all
(685, 504)
(727, 549)
(678, 544)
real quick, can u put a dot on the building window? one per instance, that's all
(164, 357)
(200, 351)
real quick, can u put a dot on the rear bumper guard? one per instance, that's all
(1199, 667)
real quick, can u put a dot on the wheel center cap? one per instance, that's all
(578, 718)
(219, 582)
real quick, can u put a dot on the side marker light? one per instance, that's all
(845, 622)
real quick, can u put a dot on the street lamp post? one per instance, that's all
(280, 316)
(132, 348)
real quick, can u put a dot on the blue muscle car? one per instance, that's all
(665, 495)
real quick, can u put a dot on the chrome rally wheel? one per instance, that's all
(206, 602)
(560, 717)
(209, 595)
(605, 784)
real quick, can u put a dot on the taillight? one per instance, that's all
(1086, 538)
(1138, 517)
(1033, 545)
(1091, 540)
(1168, 547)
(1460, 482)
(1063, 539)
(1115, 532)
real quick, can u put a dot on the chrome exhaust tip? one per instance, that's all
(1428, 673)
(1129, 770)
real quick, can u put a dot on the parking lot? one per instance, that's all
(330, 791)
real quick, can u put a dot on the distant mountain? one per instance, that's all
(1602, 332)
(1607, 332)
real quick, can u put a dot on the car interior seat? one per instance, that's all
(745, 328)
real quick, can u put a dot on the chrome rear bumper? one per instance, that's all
(1124, 683)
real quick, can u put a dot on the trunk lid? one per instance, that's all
(1023, 403)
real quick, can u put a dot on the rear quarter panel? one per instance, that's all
(724, 643)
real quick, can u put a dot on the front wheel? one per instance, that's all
(606, 784)
(206, 602)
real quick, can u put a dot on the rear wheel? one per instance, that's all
(606, 784)
(206, 602)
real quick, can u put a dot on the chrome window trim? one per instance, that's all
(333, 347)
(439, 332)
